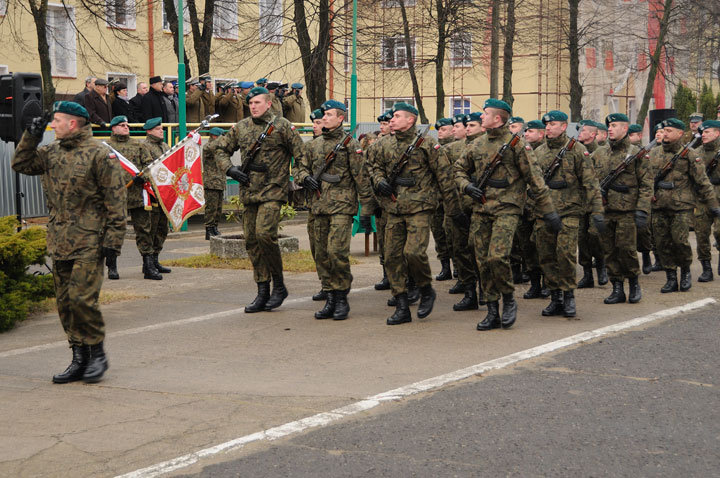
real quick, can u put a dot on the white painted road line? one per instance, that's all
(326, 418)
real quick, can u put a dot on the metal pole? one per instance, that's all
(353, 77)
(181, 71)
(19, 195)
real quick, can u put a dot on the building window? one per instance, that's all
(61, 40)
(388, 103)
(461, 50)
(271, 21)
(393, 52)
(225, 19)
(128, 78)
(590, 59)
(186, 17)
(460, 106)
(121, 13)
(3, 7)
(396, 3)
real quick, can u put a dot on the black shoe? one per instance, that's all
(617, 296)
(427, 300)
(569, 303)
(534, 291)
(516, 273)
(555, 307)
(412, 291)
(657, 267)
(111, 263)
(263, 294)
(329, 308)
(601, 272)
(587, 280)
(646, 263)
(97, 365)
(215, 231)
(211, 231)
(160, 268)
(149, 270)
(671, 285)
(492, 319)
(384, 284)
(469, 300)
(342, 308)
(457, 288)
(445, 272)
(634, 292)
(509, 311)
(278, 295)
(322, 295)
(707, 273)
(402, 311)
(685, 279)
(76, 369)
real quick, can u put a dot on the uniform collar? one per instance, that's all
(265, 118)
(556, 142)
(620, 143)
(404, 135)
(673, 147)
(153, 139)
(445, 141)
(494, 133)
(333, 133)
(75, 138)
(712, 145)
(120, 138)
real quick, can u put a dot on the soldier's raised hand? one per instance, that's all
(38, 125)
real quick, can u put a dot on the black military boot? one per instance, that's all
(534, 291)
(279, 293)
(658, 267)
(215, 231)
(569, 303)
(402, 311)
(671, 285)
(384, 284)
(509, 311)
(617, 296)
(601, 272)
(111, 263)
(516, 273)
(685, 279)
(646, 263)
(329, 308)
(149, 270)
(263, 294)
(469, 300)
(555, 307)
(634, 292)
(492, 319)
(427, 300)
(445, 272)
(342, 308)
(392, 301)
(322, 295)
(457, 288)
(76, 369)
(97, 365)
(587, 280)
(544, 292)
(211, 231)
(160, 268)
(707, 273)
(413, 291)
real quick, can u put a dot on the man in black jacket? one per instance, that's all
(97, 103)
(135, 114)
(153, 103)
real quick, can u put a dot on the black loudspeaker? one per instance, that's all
(20, 101)
(656, 116)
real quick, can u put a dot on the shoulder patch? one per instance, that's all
(437, 146)
(528, 147)
(292, 127)
(697, 160)
(647, 156)
(112, 156)
(359, 151)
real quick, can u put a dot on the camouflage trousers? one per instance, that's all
(380, 223)
(620, 245)
(645, 242)
(590, 244)
(492, 239)
(557, 253)
(406, 242)
(671, 230)
(77, 289)
(260, 223)
(311, 238)
(158, 229)
(463, 252)
(525, 237)
(142, 221)
(704, 223)
(443, 242)
(213, 207)
(332, 250)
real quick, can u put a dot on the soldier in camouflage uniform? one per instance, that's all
(316, 118)
(673, 203)
(573, 185)
(340, 187)
(494, 221)
(709, 151)
(159, 227)
(86, 199)
(263, 190)
(213, 184)
(441, 236)
(644, 235)
(416, 190)
(602, 134)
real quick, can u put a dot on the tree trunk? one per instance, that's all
(655, 62)
(202, 40)
(411, 64)
(314, 60)
(440, 60)
(508, 53)
(39, 13)
(494, 48)
(172, 19)
(576, 89)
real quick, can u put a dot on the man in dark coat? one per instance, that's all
(135, 115)
(97, 103)
(153, 103)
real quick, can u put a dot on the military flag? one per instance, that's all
(133, 171)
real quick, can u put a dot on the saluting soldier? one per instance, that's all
(230, 105)
(497, 208)
(207, 97)
(704, 222)
(262, 191)
(294, 105)
(213, 184)
(86, 199)
(194, 110)
(276, 108)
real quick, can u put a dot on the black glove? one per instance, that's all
(38, 125)
(202, 86)
(311, 183)
(599, 222)
(366, 224)
(474, 192)
(238, 175)
(553, 221)
(461, 221)
(138, 180)
(715, 211)
(106, 252)
(383, 188)
(641, 219)
(377, 213)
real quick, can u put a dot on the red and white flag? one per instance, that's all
(133, 171)
(177, 177)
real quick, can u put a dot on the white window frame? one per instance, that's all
(467, 99)
(398, 50)
(130, 14)
(387, 103)
(186, 17)
(225, 20)
(462, 46)
(66, 43)
(270, 20)
(396, 3)
(129, 78)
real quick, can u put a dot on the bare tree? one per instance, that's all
(411, 63)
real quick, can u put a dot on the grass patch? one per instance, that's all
(106, 297)
(300, 261)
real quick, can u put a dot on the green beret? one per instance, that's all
(534, 124)
(117, 120)
(385, 117)
(70, 108)
(443, 122)
(258, 90)
(216, 131)
(658, 126)
(152, 123)
(587, 122)
(402, 106)
(635, 128)
(674, 123)
(498, 104)
(515, 119)
(554, 115)
(695, 117)
(613, 117)
(709, 124)
(316, 114)
(262, 81)
(297, 86)
(600, 126)
(333, 105)
(474, 116)
(459, 118)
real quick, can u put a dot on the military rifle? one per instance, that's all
(607, 182)
(557, 160)
(482, 181)
(330, 157)
(400, 165)
(668, 167)
(255, 148)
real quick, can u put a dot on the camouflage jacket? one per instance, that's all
(517, 171)
(156, 146)
(374, 201)
(707, 152)
(427, 176)
(84, 190)
(194, 110)
(632, 190)
(574, 183)
(344, 181)
(270, 171)
(686, 182)
(591, 146)
(140, 156)
(213, 175)
(294, 108)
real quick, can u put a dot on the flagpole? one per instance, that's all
(181, 72)
(353, 77)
